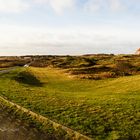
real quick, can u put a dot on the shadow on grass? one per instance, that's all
(28, 78)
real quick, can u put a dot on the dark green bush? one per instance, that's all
(123, 68)
(27, 77)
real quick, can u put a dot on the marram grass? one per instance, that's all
(104, 109)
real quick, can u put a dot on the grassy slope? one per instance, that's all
(104, 109)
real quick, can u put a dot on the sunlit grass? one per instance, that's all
(103, 109)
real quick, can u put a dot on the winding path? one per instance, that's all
(13, 129)
(7, 70)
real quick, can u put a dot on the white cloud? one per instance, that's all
(116, 5)
(58, 5)
(74, 40)
(14, 6)
(97, 5)
(40, 1)
(92, 5)
(73, 35)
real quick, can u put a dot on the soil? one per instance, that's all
(15, 129)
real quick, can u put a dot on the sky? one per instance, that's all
(69, 27)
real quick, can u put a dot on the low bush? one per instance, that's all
(123, 68)
(29, 78)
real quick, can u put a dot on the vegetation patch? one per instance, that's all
(96, 66)
(27, 77)
(102, 103)
(101, 109)
(54, 131)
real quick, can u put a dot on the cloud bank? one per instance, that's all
(17, 40)
(95, 34)
(59, 6)
(13, 6)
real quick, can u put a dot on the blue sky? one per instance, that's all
(69, 26)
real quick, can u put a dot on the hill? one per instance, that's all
(96, 66)
(107, 109)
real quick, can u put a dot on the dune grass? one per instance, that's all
(27, 77)
(104, 109)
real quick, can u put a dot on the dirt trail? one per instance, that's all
(7, 70)
(12, 129)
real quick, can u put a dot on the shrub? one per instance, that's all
(27, 77)
(90, 61)
(123, 68)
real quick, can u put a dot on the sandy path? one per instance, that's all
(7, 70)
(12, 129)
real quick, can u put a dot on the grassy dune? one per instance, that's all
(105, 109)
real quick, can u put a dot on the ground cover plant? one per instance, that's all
(6, 62)
(107, 109)
(27, 77)
(96, 66)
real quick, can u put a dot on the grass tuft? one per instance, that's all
(27, 77)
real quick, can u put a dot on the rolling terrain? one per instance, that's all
(11, 127)
(101, 109)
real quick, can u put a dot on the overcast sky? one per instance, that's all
(69, 26)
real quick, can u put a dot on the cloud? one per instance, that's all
(92, 5)
(58, 5)
(116, 5)
(40, 1)
(98, 5)
(13, 6)
(74, 40)
(59, 36)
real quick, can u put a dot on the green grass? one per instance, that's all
(27, 77)
(104, 109)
